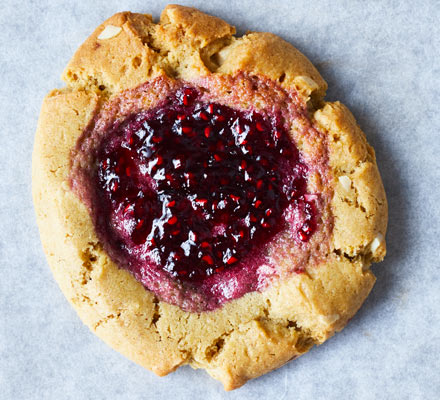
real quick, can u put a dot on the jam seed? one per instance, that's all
(303, 236)
(208, 259)
(265, 224)
(231, 260)
(186, 99)
(169, 178)
(172, 220)
(306, 228)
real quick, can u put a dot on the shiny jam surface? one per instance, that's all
(194, 191)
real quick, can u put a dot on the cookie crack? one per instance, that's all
(357, 203)
(156, 314)
(105, 320)
(361, 255)
(213, 350)
(211, 54)
(89, 256)
(342, 254)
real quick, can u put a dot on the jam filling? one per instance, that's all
(195, 191)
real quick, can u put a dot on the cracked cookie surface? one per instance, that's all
(259, 331)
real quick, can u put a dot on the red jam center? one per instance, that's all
(197, 189)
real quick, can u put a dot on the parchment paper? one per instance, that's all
(381, 58)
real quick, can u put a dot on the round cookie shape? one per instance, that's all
(132, 160)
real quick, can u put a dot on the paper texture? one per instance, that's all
(381, 58)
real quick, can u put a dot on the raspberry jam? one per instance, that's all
(188, 194)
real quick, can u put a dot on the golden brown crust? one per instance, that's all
(263, 53)
(359, 204)
(260, 331)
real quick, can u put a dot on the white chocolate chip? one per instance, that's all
(306, 81)
(109, 32)
(377, 241)
(222, 55)
(333, 318)
(345, 181)
(329, 319)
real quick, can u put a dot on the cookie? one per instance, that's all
(198, 200)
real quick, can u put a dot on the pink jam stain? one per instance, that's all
(188, 195)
